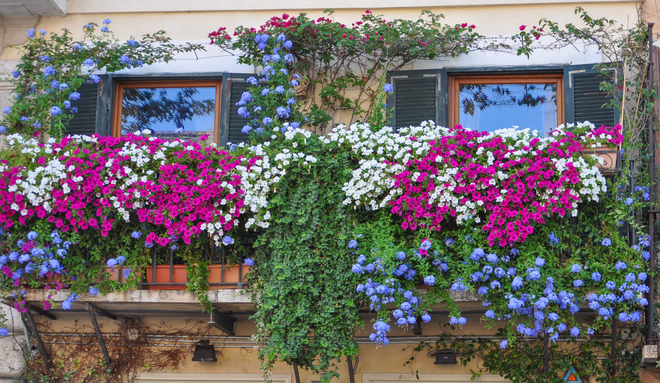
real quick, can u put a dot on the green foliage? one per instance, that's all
(53, 66)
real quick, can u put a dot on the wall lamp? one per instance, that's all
(204, 352)
(444, 356)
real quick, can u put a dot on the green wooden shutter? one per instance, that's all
(418, 96)
(231, 123)
(584, 99)
(94, 108)
(84, 122)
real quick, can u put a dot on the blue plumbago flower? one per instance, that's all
(279, 89)
(511, 272)
(553, 239)
(243, 112)
(94, 78)
(246, 129)
(260, 131)
(281, 38)
(576, 268)
(504, 344)
(31, 32)
(578, 283)
(540, 262)
(88, 62)
(44, 58)
(606, 242)
(361, 259)
(631, 277)
(642, 277)
(32, 236)
(294, 83)
(629, 201)
(352, 244)
(54, 264)
(283, 70)
(120, 259)
(288, 45)
(111, 262)
(426, 244)
(429, 280)
(245, 98)
(249, 262)
(553, 317)
(64, 86)
(426, 317)
(136, 234)
(490, 314)
(252, 81)
(227, 240)
(132, 43)
(16, 74)
(6, 110)
(107, 21)
(517, 283)
(449, 241)
(93, 291)
(42, 31)
(620, 266)
(388, 88)
(643, 302)
(646, 255)
(54, 84)
(492, 258)
(267, 121)
(561, 327)
(295, 125)
(67, 104)
(495, 285)
(282, 112)
(74, 110)
(24, 258)
(55, 110)
(265, 91)
(61, 252)
(595, 276)
(105, 29)
(288, 57)
(88, 27)
(499, 272)
(74, 96)
(477, 254)
(49, 71)
(487, 269)
(127, 273)
(125, 59)
(575, 332)
(3, 129)
(66, 305)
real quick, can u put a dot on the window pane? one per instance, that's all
(185, 113)
(489, 107)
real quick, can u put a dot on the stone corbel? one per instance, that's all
(13, 30)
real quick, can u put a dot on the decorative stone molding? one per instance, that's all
(13, 30)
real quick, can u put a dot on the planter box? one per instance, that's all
(231, 276)
(179, 275)
(609, 155)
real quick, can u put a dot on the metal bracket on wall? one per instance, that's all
(223, 322)
(40, 344)
(99, 336)
(417, 327)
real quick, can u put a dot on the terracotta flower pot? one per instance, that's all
(179, 275)
(231, 276)
(609, 155)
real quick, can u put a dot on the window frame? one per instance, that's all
(457, 79)
(124, 83)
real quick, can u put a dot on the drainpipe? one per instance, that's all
(651, 296)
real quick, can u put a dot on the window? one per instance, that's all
(486, 99)
(491, 102)
(170, 109)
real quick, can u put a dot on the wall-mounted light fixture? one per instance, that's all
(444, 356)
(204, 352)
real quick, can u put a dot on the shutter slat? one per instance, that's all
(415, 101)
(237, 122)
(84, 122)
(589, 100)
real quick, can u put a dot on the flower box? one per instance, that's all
(610, 158)
(231, 276)
(179, 275)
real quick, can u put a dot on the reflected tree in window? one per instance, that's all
(169, 112)
(483, 96)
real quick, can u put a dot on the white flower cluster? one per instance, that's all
(372, 183)
(263, 177)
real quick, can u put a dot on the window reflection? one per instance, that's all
(489, 107)
(186, 112)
